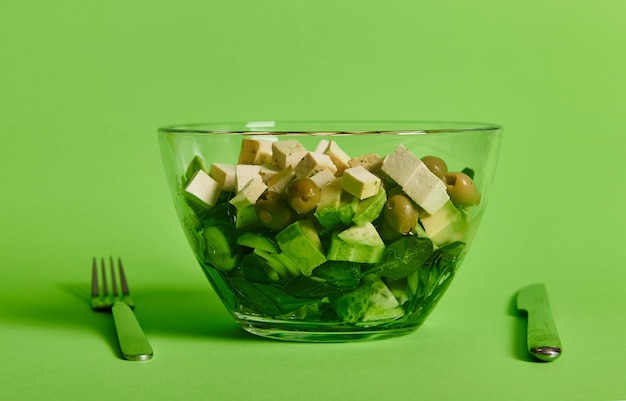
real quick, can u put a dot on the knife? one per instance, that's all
(543, 338)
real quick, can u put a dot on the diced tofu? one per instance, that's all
(255, 151)
(416, 180)
(279, 181)
(322, 145)
(371, 162)
(268, 171)
(244, 173)
(287, 153)
(203, 190)
(426, 189)
(249, 193)
(338, 157)
(359, 182)
(224, 174)
(400, 165)
(323, 177)
(313, 163)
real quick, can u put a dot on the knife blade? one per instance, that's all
(542, 337)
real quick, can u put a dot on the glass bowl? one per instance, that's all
(330, 231)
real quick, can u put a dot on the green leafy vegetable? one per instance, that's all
(468, 172)
(255, 269)
(341, 274)
(310, 287)
(405, 256)
(267, 299)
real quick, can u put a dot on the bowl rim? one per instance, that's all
(329, 127)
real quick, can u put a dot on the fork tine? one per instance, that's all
(94, 278)
(113, 280)
(125, 290)
(105, 287)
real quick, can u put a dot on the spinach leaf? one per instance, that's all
(310, 287)
(339, 273)
(468, 172)
(217, 280)
(267, 299)
(436, 274)
(405, 256)
(256, 269)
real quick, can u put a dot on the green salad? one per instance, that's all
(326, 238)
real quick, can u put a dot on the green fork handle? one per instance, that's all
(133, 341)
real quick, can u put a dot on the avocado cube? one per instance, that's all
(300, 242)
(445, 225)
(336, 207)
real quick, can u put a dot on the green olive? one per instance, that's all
(273, 212)
(461, 189)
(436, 165)
(303, 195)
(400, 214)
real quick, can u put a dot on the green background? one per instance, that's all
(85, 84)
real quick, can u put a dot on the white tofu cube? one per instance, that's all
(426, 189)
(244, 173)
(224, 174)
(255, 151)
(400, 165)
(338, 157)
(322, 145)
(323, 177)
(313, 163)
(371, 162)
(203, 189)
(287, 153)
(250, 193)
(359, 182)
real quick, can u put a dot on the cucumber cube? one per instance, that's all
(360, 244)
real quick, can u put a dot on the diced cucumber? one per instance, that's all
(351, 306)
(218, 249)
(383, 304)
(367, 210)
(360, 244)
(257, 241)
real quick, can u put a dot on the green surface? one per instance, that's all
(84, 85)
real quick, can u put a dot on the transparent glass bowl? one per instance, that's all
(364, 253)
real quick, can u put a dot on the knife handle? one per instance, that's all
(543, 339)
(133, 341)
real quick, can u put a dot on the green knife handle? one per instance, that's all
(133, 341)
(543, 338)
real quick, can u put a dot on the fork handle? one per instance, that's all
(133, 341)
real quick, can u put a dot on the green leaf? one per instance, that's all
(310, 287)
(341, 274)
(266, 299)
(435, 275)
(468, 172)
(405, 256)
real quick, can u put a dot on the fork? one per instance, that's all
(132, 340)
